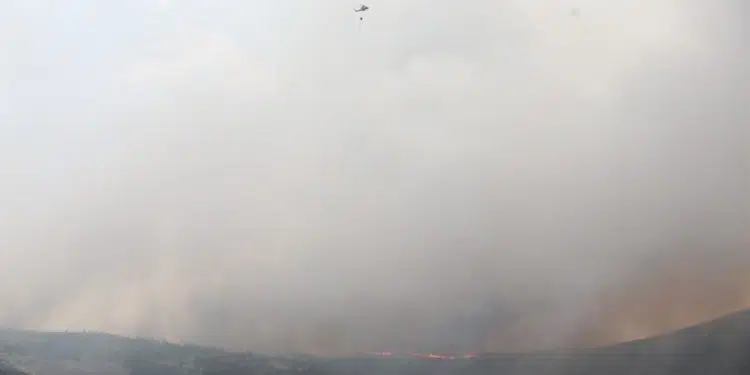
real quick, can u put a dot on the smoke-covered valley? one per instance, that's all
(276, 177)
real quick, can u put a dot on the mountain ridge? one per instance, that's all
(720, 346)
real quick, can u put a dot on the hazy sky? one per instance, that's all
(443, 176)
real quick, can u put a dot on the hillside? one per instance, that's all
(7, 369)
(721, 346)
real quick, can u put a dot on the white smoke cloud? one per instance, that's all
(446, 176)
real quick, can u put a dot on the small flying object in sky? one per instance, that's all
(361, 8)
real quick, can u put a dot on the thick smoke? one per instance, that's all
(493, 176)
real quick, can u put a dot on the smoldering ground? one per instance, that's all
(501, 176)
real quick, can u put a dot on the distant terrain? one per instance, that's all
(721, 346)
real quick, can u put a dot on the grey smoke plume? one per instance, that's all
(500, 176)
